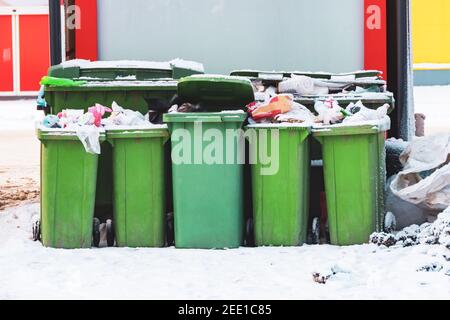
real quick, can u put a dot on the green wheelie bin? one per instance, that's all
(354, 160)
(136, 85)
(139, 185)
(281, 194)
(68, 187)
(208, 153)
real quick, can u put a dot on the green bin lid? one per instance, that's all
(211, 117)
(213, 92)
(155, 131)
(274, 75)
(47, 134)
(349, 129)
(124, 70)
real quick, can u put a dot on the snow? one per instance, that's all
(150, 126)
(380, 125)
(125, 83)
(306, 72)
(180, 63)
(434, 103)
(19, 115)
(279, 125)
(219, 77)
(190, 65)
(30, 271)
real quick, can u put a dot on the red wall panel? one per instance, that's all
(34, 50)
(375, 35)
(86, 37)
(6, 55)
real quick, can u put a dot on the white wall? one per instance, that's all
(234, 34)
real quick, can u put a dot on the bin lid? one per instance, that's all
(281, 126)
(216, 91)
(131, 132)
(124, 70)
(211, 117)
(368, 99)
(161, 85)
(47, 134)
(275, 75)
(347, 129)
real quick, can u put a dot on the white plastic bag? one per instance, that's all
(297, 84)
(425, 180)
(124, 117)
(365, 114)
(298, 113)
(90, 138)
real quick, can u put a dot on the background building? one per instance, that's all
(431, 40)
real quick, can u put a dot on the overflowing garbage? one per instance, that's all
(283, 108)
(88, 125)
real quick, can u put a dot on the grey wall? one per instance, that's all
(318, 35)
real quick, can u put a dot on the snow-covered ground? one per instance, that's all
(29, 271)
(18, 115)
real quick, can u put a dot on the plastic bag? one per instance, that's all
(425, 180)
(360, 113)
(329, 111)
(302, 85)
(90, 138)
(298, 114)
(277, 105)
(124, 117)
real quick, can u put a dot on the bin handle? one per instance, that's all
(205, 119)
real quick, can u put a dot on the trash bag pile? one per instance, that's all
(89, 125)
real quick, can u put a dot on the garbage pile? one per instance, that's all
(283, 108)
(89, 125)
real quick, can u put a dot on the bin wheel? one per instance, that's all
(36, 228)
(110, 236)
(316, 231)
(170, 236)
(249, 233)
(96, 233)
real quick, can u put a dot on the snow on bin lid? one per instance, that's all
(134, 64)
(216, 91)
(319, 74)
(356, 127)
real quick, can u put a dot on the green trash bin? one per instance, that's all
(354, 160)
(208, 193)
(68, 187)
(281, 198)
(136, 85)
(139, 185)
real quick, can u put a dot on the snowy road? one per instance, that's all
(29, 271)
